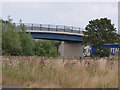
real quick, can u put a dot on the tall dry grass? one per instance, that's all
(29, 72)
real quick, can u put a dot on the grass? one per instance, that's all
(0, 71)
(28, 73)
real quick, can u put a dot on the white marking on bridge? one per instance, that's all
(56, 32)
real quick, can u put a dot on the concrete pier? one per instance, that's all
(71, 49)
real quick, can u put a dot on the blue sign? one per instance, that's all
(115, 49)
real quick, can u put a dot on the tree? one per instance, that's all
(15, 41)
(0, 37)
(10, 38)
(53, 52)
(98, 33)
(39, 50)
(27, 42)
(118, 39)
(50, 48)
(46, 48)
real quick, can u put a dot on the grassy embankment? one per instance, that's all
(28, 73)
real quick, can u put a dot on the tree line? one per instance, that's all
(15, 41)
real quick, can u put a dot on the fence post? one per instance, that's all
(56, 27)
(64, 28)
(79, 30)
(40, 26)
(72, 29)
(32, 27)
(48, 27)
(80, 59)
(63, 59)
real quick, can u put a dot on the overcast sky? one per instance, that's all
(61, 13)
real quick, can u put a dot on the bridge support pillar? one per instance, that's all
(71, 49)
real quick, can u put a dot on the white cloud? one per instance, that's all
(75, 14)
(59, 0)
(0, 10)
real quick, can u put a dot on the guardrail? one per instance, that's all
(47, 27)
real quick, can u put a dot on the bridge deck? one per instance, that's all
(55, 28)
(54, 32)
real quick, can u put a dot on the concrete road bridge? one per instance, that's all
(54, 32)
(71, 37)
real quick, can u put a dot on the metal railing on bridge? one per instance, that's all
(47, 27)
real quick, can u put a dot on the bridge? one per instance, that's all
(71, 37)
(54, 32)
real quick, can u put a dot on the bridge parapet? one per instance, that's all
(48, 27)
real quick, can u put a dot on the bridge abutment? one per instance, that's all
(71, 49)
